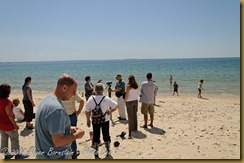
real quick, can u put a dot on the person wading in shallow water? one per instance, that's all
(200, 88)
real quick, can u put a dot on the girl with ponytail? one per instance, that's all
(28, 102)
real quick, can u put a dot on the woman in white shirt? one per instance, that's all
(131, 99)
(102, 107)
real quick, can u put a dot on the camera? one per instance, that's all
(99, 81)
(109, 83)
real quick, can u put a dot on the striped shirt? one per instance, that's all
(70, 104)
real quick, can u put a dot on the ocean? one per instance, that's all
(221, 75)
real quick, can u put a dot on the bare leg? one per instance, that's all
(151, 117)
(145, 119)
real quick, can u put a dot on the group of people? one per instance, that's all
(9, 111)
(175, 85)
(127, 95)
(56, 127)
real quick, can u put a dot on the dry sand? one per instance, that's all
(185, 127)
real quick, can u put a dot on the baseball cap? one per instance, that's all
(118, 75)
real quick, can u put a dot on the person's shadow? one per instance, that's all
(119, 121)
(138, 135)
(109, 157)
(26, 132)
(156, 130)
(123, 121)
(157, 105)
(204, 98)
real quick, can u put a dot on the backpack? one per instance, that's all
(97, 114)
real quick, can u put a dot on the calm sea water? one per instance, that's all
(221, 75)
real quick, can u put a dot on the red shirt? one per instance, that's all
(5, 123)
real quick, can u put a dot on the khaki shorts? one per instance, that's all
(145, 108)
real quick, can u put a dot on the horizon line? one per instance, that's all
(71, 60)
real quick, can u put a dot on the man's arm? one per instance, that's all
(60, 140)
(79, 99)
(56, 128)
(80, 107)
(116, 90)
(156, 90)
(141, 91)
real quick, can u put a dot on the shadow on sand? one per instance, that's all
(109, 157)
(155, 130)
(26, 132)
(115, 122)
(138, 135)
(204, 98)
(156, 105)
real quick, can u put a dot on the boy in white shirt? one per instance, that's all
(18, 113)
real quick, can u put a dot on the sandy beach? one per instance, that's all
(185, 127)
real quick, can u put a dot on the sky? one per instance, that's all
(50, 30)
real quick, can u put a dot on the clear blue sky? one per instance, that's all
(118, 29)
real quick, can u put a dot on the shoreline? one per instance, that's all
(18, 93)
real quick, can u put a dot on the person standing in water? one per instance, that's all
(170, 81)
(200, 88)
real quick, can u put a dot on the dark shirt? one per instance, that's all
(120, 84)
(88, 92)
(175, 86)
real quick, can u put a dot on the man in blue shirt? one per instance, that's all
(53, 131)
